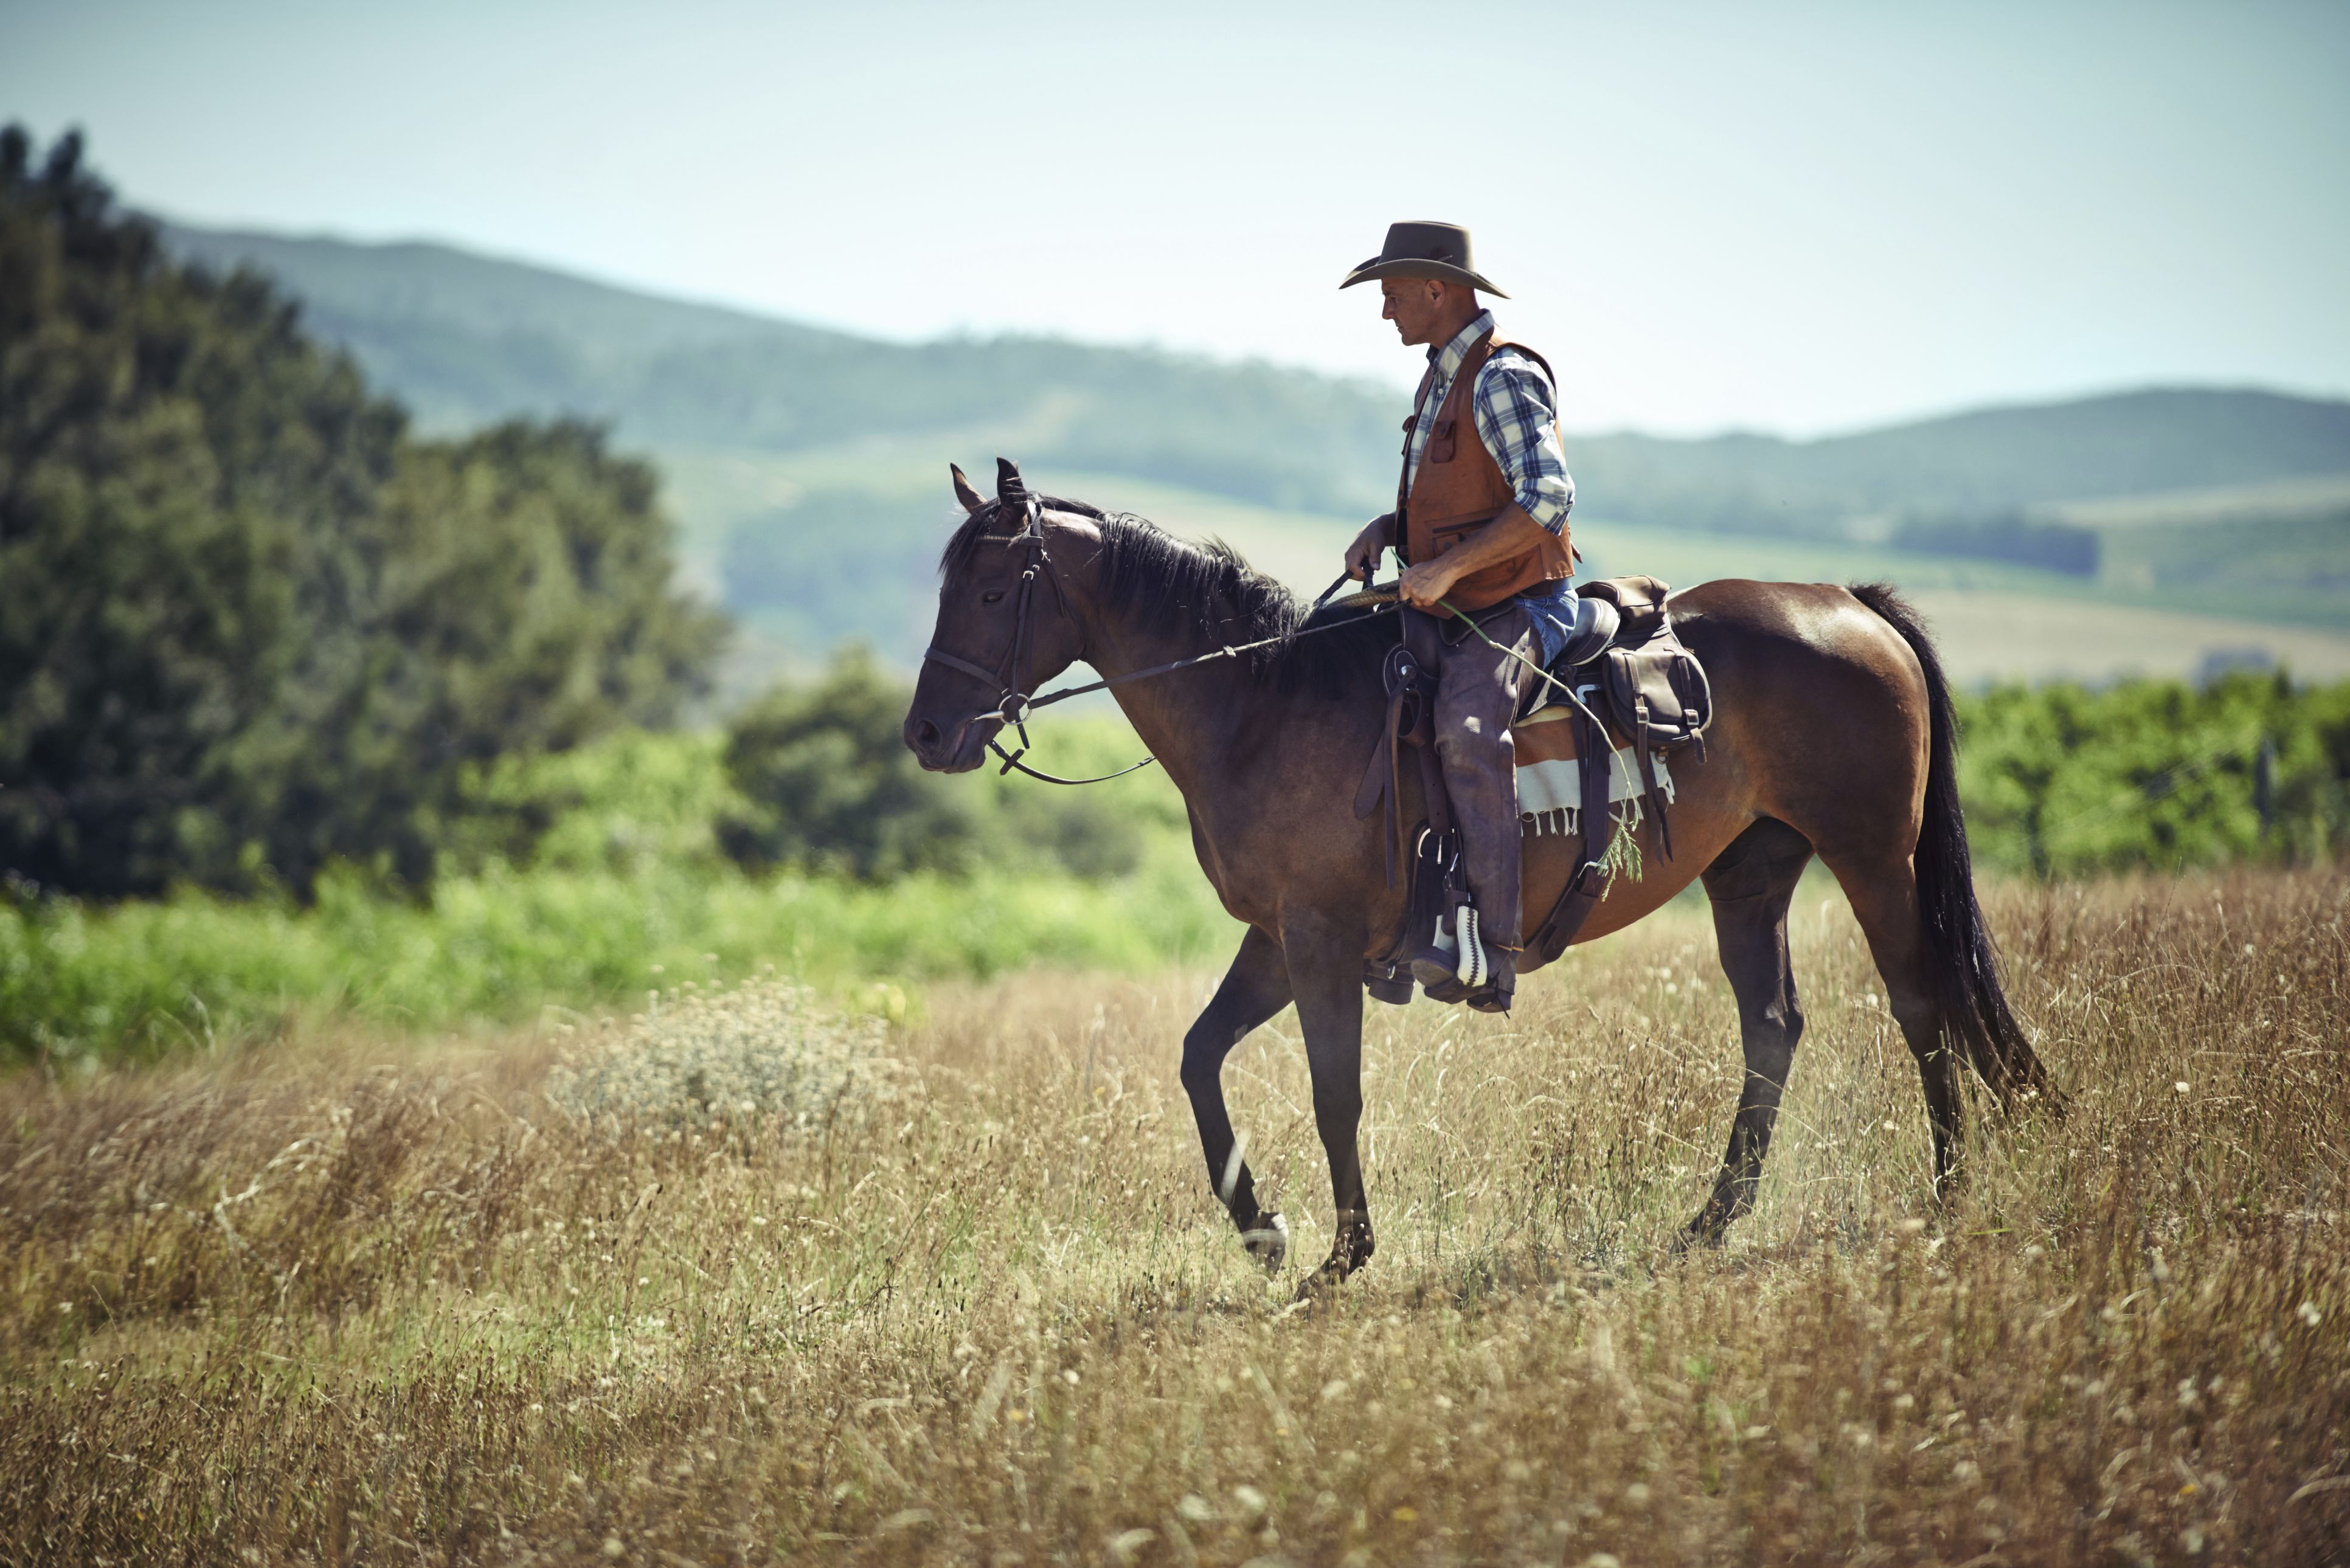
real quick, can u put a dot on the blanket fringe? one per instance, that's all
(1568, 819)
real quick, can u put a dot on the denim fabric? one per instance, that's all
(1551, 608)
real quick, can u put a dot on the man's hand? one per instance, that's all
(1376, 536)
(1429, 581)
(1506, 537)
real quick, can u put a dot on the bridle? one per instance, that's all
(1014, 703)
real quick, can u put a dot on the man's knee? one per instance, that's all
(1470, 739)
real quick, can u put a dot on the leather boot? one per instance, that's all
(1437, 963)
(1486, 811)
(1489, 855)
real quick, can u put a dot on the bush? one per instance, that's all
(2154, 774)
(831, 785)
(828, 785)
(765, 1051)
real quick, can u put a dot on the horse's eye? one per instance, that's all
(991, 595)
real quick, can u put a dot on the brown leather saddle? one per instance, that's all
(1628, 666)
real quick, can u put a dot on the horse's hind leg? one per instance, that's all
(1751, 884)
(1254, 989)
(1883, 892)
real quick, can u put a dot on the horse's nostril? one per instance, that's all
(926, 734)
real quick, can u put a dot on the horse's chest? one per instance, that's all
(1248, 875)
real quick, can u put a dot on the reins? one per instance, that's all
(1015, 705)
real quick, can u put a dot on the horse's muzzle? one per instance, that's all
(958, 750)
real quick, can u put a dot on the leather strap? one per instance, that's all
(1646, 751)
(1589, 884)
(1381, 781)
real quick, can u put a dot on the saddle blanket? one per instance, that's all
(1550, 777)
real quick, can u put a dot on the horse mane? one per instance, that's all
(1170, 585)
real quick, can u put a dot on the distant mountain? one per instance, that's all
(1989, 461)
(464, 338)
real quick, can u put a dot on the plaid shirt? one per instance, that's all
(1514, 408)
(1516, 414)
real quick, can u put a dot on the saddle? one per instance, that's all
(1630, 669)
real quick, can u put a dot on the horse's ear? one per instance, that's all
(1010, 488)
(964, 493)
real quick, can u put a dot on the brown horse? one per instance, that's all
(1833, 736)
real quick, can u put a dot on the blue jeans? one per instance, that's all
(1551, 609)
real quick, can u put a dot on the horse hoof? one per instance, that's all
(1321, 1284)
(1701, 1234)
(1344, 1263)
(1269, 1243)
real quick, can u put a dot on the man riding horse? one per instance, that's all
(1833, 737)
(1480, 526)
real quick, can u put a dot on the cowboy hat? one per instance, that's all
(1424, 250)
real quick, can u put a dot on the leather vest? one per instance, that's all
(1459, 488)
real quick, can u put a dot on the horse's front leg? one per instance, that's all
(1325, 975)
(1254, 989)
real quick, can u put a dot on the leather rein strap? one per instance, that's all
(1014, 706)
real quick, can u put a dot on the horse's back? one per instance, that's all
(1797, 624)
(1821, 701)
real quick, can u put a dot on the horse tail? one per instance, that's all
(1962, 967)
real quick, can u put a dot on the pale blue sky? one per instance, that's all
(1776, 216)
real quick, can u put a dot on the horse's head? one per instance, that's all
(1005, 623)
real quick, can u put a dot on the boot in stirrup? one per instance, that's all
(1436, 964)
(1464, 966)
(1489, 972)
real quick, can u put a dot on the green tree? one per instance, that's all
(247, 627)
(2154, 774)
(833, 787)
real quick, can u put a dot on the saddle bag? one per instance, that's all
(1658, 695)
(1653, 692)
(1656, 692)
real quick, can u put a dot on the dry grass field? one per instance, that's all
(737, 1283)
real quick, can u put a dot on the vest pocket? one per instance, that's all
(1443, 440)
(1445, 535)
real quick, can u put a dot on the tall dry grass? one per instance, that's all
(742, 1285)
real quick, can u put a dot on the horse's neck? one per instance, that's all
(1190, 718)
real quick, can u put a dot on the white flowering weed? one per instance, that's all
(761, 1050)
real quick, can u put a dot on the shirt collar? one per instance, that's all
(1448, 358)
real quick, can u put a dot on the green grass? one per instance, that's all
(626, 892)
(744, 1284)
(142, 979)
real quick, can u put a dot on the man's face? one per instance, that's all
(1415, 305)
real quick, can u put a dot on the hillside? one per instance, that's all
(805, 466)
(465, 338)
(1981, 462)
